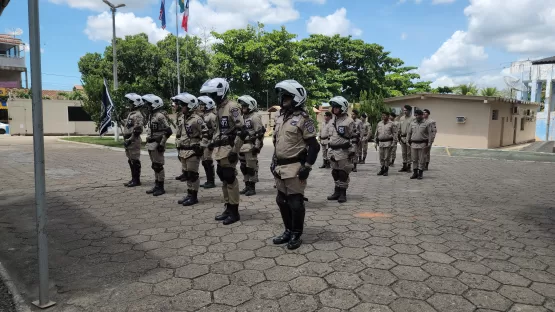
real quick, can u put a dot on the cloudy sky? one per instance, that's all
(451, 41)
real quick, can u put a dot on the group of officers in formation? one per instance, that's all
(213, 127)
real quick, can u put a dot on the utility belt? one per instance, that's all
(403, 135)
(340, 146)
(152, 140)
(249, 141)
(385, 140)
(127, 136)
(420, 141)
(224, 142)
(189, 148)
(288, 161)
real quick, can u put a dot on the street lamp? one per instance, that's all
(113, 8)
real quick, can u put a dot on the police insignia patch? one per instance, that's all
(199, 121)
(235, 112)
(309, 126)
(341, 129)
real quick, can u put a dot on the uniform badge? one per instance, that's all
(248, 123)
(224, 122)
(154, 126)
(199, 121)
(189, 129)
(309, 126)
(235, 112)
(341, 129)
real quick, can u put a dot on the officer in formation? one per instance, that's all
(132, 137)
(365, 136)
(252, 144)
(342, 147)
(324, 139)
(179, 122)
(296, 150)
(433, 135)
(207, 107)
(227, 141)
(419, 137)
(191, 140)
(404, 124)
(393, 153)
(385, 136)
(358, 130)
(158, 133)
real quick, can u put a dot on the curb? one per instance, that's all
(19, 302)
(170, 152)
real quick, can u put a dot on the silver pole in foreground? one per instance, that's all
(38, 151)
(115, 65)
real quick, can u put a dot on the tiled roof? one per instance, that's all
(459, 97)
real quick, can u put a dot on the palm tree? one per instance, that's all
(489, 92)
(466, 89)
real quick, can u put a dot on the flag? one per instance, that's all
(185, 16)
(163, 14)
(181, 6)
(107, 107)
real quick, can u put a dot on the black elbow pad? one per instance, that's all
(169, 132)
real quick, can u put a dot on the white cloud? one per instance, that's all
(404, 36)
(442, 1)
(27, 48)
(333, 24)
(99, 6)
(99, 27)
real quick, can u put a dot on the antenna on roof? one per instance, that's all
(14, 32)
(515, 84)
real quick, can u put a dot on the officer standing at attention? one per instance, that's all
(365, 136)
(296, 150)
(433, 135)
(358, 130)
(404, 124)
(386, 136)
(252, 144)
(227, 141)
(343, 146)
(191, 144)
(419, 137)
(132, 138)
(158, 133)
(324, 139)
(207, 106)
(393, 153)
(179, 122)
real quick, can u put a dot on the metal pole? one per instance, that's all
(38, 152)
(115, 66)
(177, 49)
(267, 101)
(548, 96)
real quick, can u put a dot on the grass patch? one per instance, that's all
(107, 141)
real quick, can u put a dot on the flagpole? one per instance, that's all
(177, 46)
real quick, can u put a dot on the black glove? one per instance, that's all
(126, 143)
(232, 157)
(255, 150)
(161, 148)
(304, 172)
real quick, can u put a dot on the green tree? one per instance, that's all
(443, 90)
(466, 89)
(373, 105)
(401, 81)
(489, 92)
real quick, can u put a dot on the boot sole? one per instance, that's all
(291, 247)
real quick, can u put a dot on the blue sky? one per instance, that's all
(450, 46)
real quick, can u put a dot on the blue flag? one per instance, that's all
(107, 107)
(163, 14)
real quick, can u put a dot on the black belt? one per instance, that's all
(385, 140)
(403, 135)
(417, 142)
(338, 147)
(151, 140)
(324, 138)
(224, 142)
(251, 141)
(287, 161)
(127, 136)
(188, 148)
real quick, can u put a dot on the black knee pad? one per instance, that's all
(130, 162)
(207, 163)
(228, 175)
(136, 163)
(334, 174)
(192, 176)
(243, 168)
(251, 171)
(157, 167)
(342, 176)
(281, 198)
(296, 201)
(219, 172)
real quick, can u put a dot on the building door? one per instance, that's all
(514, 130)
(502, 131)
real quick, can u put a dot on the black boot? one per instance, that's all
(243, 191)
(192, 199)
(414, 174)
(426, 166)
(285, 212)
(354, 167)
(285, 237)
(404, 169)
(420, 172)
(160, 190)
(295, 241)
(136, 174)
(382, 170)
(224, 214)
(130, 168)
(408, 168)
(386, 172)
(296, 202)
(363, 160)
(183, 175)
(184, 199)
(233, 215)
(342, 195)
(252, 189)
(154, 189)
(392, 164)
(335, 195)
(210, 175)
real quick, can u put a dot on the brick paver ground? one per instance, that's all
(474, 235)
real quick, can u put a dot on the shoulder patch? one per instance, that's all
(305, 114)
(309, 126)
(234, 112)
(199, 121)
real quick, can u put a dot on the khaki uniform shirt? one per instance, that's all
(342, 132)
(228, 123)
(366, 131)
(420, 133)
(192, 130)
(134, 124)
(290, 134)
(359, 125)
(404, 124)
(386, 134)
(255, 129)
(434, 130)
(210, 120)
(325, 132)
(178, 129)
(157, 130)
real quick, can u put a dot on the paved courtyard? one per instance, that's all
(474, 235)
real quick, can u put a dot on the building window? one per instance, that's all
(495, 114)
(521, 124)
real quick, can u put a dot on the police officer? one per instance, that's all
(191, 144)
(358, 130)
(227, 141)
(132, 138)
(386, 136)
(158, 133)
(404, 124)
(207, 106)
(296, 150)
(178, 133)
(324, 139)
(393, 153)
(252, 144)
(433, 135)
(366, 136)
(342, 147)
(419, 137)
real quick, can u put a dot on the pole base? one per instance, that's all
(44, 306)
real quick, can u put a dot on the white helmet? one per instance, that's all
(292, 88)
(135, 99)
(247, 100)
(154, 101)
(186, 99)
(341, 102)
(215, 88)
(207, 101)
